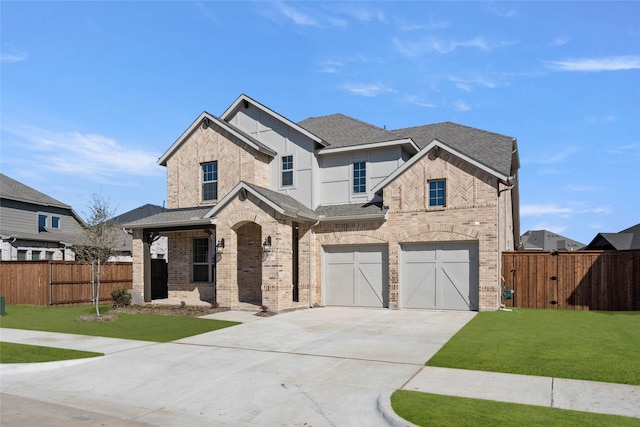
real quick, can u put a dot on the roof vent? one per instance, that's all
(205, 123)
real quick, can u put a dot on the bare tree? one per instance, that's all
(100, 240)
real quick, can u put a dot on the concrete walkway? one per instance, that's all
(316, 367)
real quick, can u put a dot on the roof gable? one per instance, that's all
(281, 203)
(436, 145)
(15, 190)
(206, 120)
(246, 100)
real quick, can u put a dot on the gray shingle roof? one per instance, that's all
(14, 190)
(491, 149)
(168, 217)
(338, 130)
(626, 239)
(545, 240)
(139, 213)
(336, 212)
(285, 201)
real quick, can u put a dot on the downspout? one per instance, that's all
(311, 268)
(510, 183)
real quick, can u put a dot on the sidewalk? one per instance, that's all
(577, 395)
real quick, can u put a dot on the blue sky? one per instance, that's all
(92, 93)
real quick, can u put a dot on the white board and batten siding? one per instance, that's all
(443, 275)
(356, 276)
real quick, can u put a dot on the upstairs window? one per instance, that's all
(42, 222)
(360, 177)
(437, 193)
(209, 181)
(55, 222)
(287, 171)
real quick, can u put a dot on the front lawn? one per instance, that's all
(143, 327)
(23, 353)
(584, 345)
(425, 409)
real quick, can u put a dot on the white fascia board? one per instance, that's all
(162, 161)
(433, 144)
(371, 146)
(226, 115)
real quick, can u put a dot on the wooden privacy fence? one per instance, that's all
(59, 282)
(581, 280)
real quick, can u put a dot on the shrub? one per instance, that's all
(121, 297)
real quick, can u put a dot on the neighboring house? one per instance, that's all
(34, 226)
(333, 211)
(624, 240)
(544, 240)
(159, 245)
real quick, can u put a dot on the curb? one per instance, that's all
(384, 407)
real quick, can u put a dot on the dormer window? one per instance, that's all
(55, 222)
(287, 170)
(209, 181)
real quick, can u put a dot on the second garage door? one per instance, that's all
(356, 276)
(440, 275)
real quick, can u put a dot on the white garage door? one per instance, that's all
(356, 276)
(440, 275)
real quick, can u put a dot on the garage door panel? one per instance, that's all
(356, 276)
(440, 275)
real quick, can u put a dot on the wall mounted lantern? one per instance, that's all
(266, 245)
(220, 246)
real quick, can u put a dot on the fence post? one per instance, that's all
(50, 284)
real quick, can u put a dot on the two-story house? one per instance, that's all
(333, 211)
(34, 226)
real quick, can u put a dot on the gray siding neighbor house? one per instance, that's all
(34, 226)
(333, 211)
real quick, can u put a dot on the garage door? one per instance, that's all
(356, 276)
(440, 275)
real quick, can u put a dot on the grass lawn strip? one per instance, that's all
(24, 353)
(583, 345)
(425, 409)
(143, 327)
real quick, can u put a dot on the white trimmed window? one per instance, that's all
(287, 171)
(437, 193)
(360, 177)
(209, 181)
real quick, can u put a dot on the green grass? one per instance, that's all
(129, 326)
(23, 353)
(585, 345)
(426, 409)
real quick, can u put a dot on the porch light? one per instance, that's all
(220, 246)
(266, 245)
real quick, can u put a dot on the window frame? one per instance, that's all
(215, 173)
(437, 200)
(43, 220)
(209, 262)
(289, 171)
(360, 190)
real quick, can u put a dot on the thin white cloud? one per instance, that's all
(297, 16)
(415, 100)
(13, 57)
(556, 156)
(624, 149)
(559, 41)
(367, 89)
(562, 211)
(404, 25)
(584, 188)
(330, 67)
(614, 63)
(461, 106)
(359, 11)
(444, 46)
(86, 155)
(468, 84)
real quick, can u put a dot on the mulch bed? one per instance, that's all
(168, 310)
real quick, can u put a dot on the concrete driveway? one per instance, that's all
(316, 367)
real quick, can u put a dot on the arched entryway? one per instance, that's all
(249, 263)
